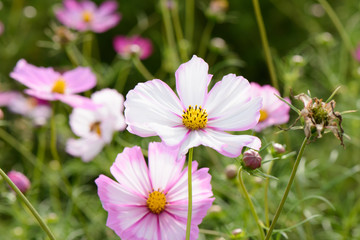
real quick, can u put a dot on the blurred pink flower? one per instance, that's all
(2, 28)
(46, 84)
(357, 53)
(149, 203)
(36, 109)
(274, 111)
(20, 180)
(86, 16)
(126, 46)
(199, 117)
(96, 128)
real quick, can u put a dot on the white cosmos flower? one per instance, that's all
(95, 128)
(195, 117)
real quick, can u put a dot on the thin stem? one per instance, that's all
(266, 201)
(339, 27)
(188, 224)
(53, 147)
(189, 24)
(87, 45)
(265, 44)
(29, 205)
(183, 47)
(287, 190)
(250, 203)
(205, 38)
(141, 68)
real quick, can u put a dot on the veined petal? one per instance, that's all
(37, 78)
(225, 143)
(229, 105)
(79, 80)
(150, 103)
(163, 166)
(192, 80)
(171, 227)
(145, 229)
(86, 148)
(130, 170)
(172, 136)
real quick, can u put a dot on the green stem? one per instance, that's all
(53, 147)
(13, 142)
(87, 46)
(28, 204)
(122, 77)
(182, 45)
(339, 27)
(266, 201)
(287, 190)
(189, 24)
(188, 224)
(265, 44)
(251, 205)
(205, 38)
(169, 32)
(141, 68)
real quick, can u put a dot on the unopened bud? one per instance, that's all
(20, 180)
(1, 114)
(231, 171)
(278, 148)
(252, 159)
(237, 232)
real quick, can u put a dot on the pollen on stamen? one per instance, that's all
(194, 118)
(156, 201)
(87, 16)
(59, 86)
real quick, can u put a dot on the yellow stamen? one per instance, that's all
(95, 127)
(263, 115)
(195, 118)
(156, 202)
(59, 86)
(87, 16)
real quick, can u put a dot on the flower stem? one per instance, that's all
(266, 199)
(53, 147)
(29, 205)
(265, 44)
(188, 224)
(251, 205)
(339, 27)
(189, 25)
(205, 38)
(141, 68)
(287, 190)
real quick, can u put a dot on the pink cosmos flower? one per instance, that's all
(96, 128)
(20, 180)
(36, 109)
(199, 117)
(274, 111)
(125, 46)
(46, 84)
(149, 203)
(85, 15)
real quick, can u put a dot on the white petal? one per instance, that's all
(192, 80)
(229, 105)
(172, 136)
(81, 121)
(163, 166)
(152, 102)
(86, 148)
(130, 170)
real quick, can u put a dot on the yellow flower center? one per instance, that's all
(87, 16)
(59, 86)
(156, 202)
(195, 118)
(263, 115)
(95, 127)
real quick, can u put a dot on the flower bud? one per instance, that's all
(278, 148)
(252, 159)
(20, 180)
(237, 232)
(231, 171)
(1, 114)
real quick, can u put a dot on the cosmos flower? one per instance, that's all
(36, 109)
(96, 128)
(274, 111)
(20, 180)
(151, 202)
(86, 16)
(125, 46)
(199, 117)
(46, 84)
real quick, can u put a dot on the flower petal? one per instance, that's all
(107, 7)
(163, 166)
(76, 101)
(79, 80)
(171, 227)
(86, 148)
(145, 229)
(192, 80)
(80, 121)
(230, 107)
(225, 143)
(130, 170)
(103, 23)
(37, 78)
(150, 103)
